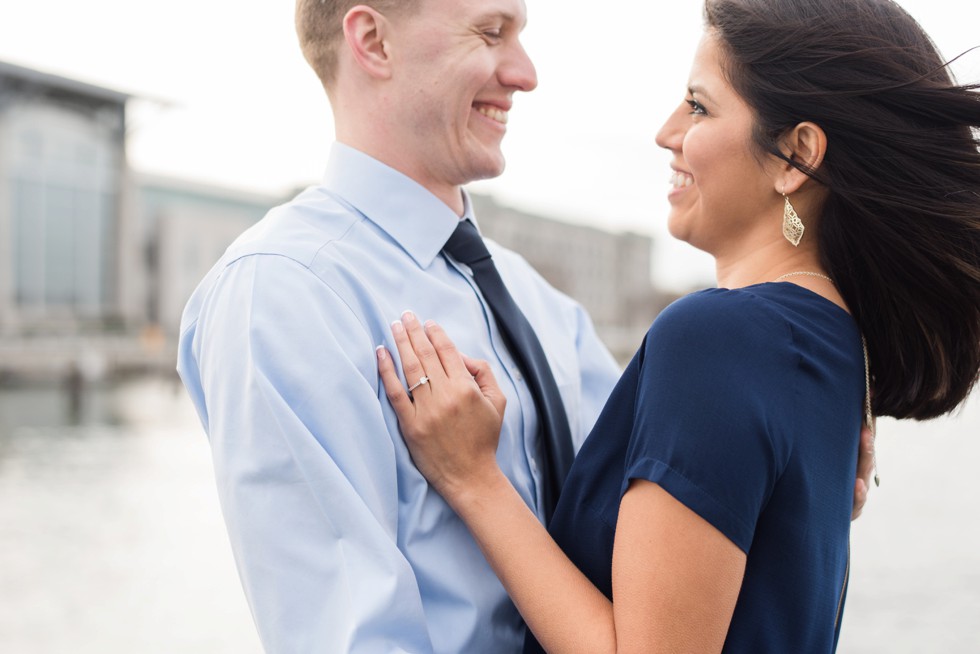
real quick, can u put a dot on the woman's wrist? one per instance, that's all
(476, 493)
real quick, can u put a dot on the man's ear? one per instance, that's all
(365, 32)
(805, 144)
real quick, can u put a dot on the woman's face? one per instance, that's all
(722, 199)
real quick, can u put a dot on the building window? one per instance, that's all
(64, 193)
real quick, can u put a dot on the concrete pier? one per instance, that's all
(84, 358)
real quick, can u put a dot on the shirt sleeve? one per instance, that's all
(285, 381)
(715, 388)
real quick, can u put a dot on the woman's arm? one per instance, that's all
(675, 577)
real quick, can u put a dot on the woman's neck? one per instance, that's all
(765, 264)
(759, 269)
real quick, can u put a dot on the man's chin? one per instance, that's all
(488, 169)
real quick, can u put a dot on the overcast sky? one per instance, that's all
(229, 99)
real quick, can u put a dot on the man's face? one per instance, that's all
(458, 64)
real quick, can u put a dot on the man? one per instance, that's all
(340, 544)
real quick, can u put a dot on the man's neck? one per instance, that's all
(450, 195)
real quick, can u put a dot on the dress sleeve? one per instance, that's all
(284, 377)
(715, 394)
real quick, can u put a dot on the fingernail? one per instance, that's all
(408, 317)
(430, 323)
(382, 352)
(397, 327)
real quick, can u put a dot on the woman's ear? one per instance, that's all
(805, 144)
(365, 32)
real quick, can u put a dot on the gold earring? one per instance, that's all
(792, 225)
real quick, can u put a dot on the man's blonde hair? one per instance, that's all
(319, 26)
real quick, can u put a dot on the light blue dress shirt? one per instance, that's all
(340, 543)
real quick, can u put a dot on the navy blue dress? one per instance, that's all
(745, 405)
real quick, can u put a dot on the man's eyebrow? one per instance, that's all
(504, 16)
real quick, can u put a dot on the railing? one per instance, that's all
(91, 356)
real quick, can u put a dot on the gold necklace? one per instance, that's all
(804, 272)
(868, 416)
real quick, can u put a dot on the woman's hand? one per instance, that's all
(451, 422)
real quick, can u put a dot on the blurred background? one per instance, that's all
(138, 139)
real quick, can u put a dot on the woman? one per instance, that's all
(825, 158)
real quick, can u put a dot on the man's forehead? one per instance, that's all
(509, 11)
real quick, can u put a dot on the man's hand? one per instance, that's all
(865, 469)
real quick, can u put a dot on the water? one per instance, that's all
(111, 539)
(915, 585)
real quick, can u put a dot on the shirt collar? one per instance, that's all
(415, 218)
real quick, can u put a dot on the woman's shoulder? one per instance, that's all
(731, 325)
(716, 329)
(775, 305)
(714, 309)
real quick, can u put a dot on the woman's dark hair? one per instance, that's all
(900, 228)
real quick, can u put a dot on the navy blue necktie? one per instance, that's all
(466, 246)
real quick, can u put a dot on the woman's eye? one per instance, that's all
(696, 108)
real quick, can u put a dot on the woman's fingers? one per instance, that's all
(427, 353)
(449, 356)
(452, 427)
(412, 366)
(422, 349)
(458, 366)
(396, 393)
(865, 469)
(485, 379)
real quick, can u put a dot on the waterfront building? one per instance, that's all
(65, 235)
